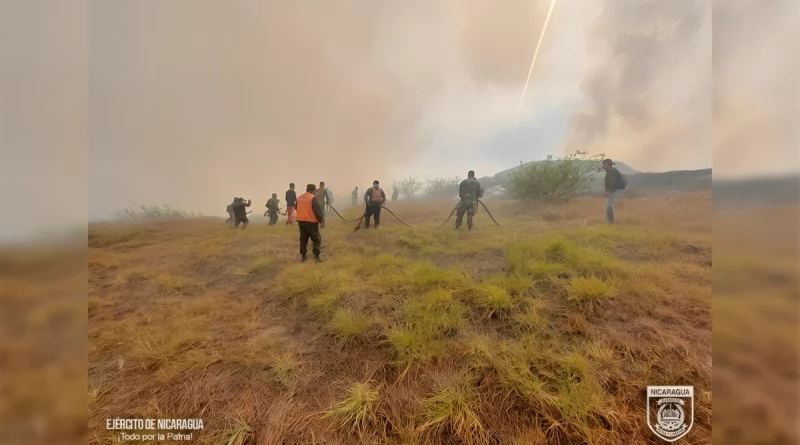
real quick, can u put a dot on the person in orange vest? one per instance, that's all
(374, 198)
(310, 219)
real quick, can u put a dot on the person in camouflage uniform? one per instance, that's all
(322, 197)
(273, 206)
(469, 191)
(240, 212)
(231, 218)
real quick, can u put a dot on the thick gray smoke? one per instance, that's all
(194, 102)
(648, 96)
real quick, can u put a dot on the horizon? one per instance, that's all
(171, 113)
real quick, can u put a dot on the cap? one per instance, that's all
(375, 182)
(608, 161)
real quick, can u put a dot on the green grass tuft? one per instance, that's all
(315, 280)
(426, 275)
(544, 270)
(454, 408)
(285, 367)
(516, 284)
(514, 370)
(358, 409)
(413, 346)
(323, 304)
(533, 318)
(588, 292)
(347, 324)
(435, 313)
(493, 298)
(557, 257)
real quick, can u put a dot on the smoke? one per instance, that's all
(648, 95)
(194, 102)
(756, 71)
(43, 121)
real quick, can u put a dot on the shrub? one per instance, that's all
(442, 188)
(150, 212)
(554, 180)
(407, 185)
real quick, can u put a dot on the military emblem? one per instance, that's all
(670, 411)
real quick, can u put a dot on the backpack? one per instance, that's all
(623, 182)
(376, 196)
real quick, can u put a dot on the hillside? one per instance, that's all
(503, 175)
(638, 182)
(782, 189)
(544, 331)
(678, 179)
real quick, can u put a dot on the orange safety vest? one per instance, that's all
(305, 209)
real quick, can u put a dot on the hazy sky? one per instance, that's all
(193, 105)
(191, 102)
(194, 102)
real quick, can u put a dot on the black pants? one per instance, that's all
(373, 210)
(273, 218)
(309, 230)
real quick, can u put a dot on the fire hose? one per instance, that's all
(484, 207)
(343, 218)
(361, 218)
(385, 208)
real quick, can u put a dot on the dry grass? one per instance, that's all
(452, 411)
(546, 331)
(757, 287)
(43, 382)
(358, 409)
(349, 325)
(586, 293)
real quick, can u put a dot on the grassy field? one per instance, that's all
(756, 345)
(545, 331)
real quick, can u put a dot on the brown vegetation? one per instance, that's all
(545, 331)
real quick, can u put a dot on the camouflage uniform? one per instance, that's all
(323, 198)
(273, 206)
(469, 190)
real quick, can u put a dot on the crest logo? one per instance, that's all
(670, 411)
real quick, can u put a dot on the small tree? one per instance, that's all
(554, 180)
(442, 188)
(407, 185)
